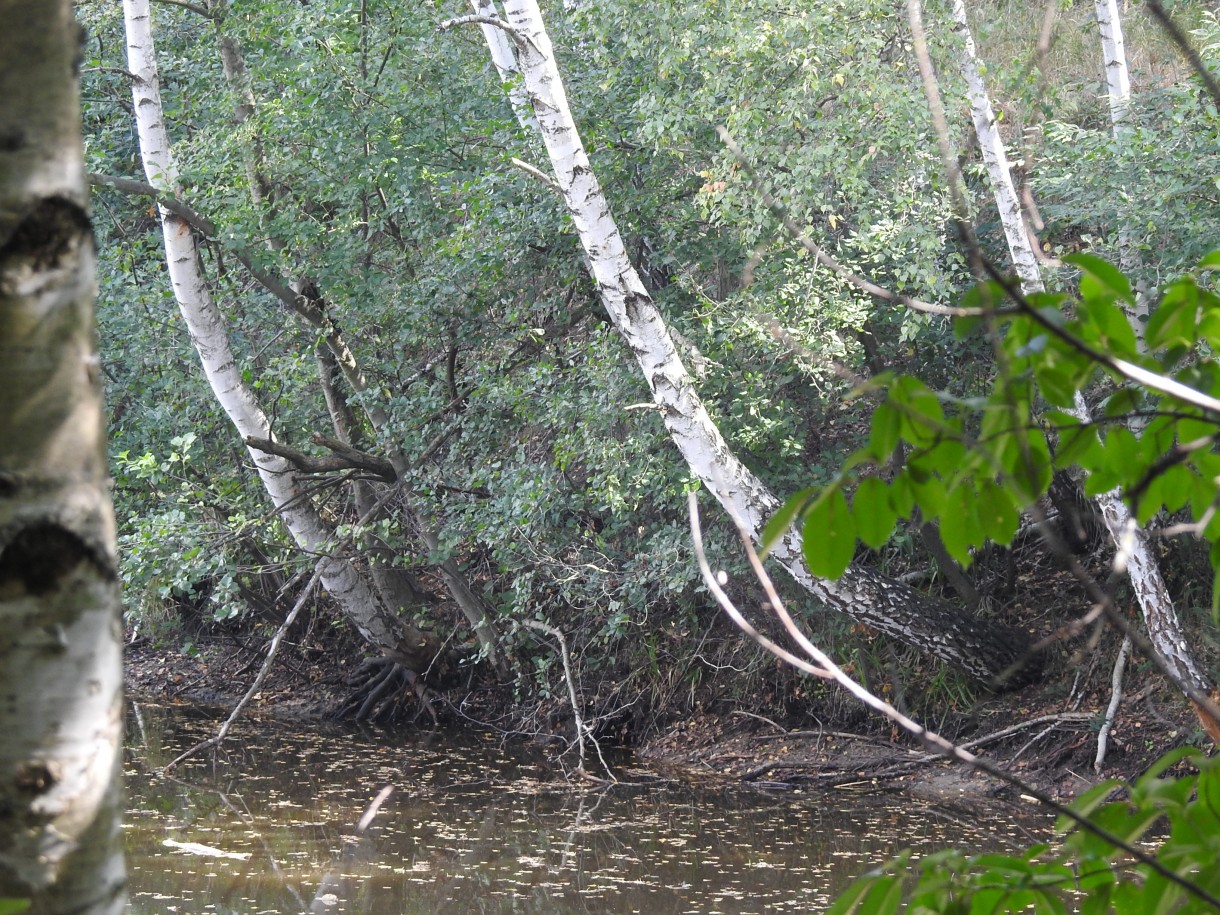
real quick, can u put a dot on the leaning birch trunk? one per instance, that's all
(501, 50)
(471, 605)
(982, 648)
(1132, 542)
(60, 632)
(376, 623)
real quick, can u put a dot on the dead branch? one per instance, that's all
(343, 457)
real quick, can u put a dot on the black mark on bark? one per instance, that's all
(40, 557)
(49, 230)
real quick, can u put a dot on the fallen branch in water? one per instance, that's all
(276, 640)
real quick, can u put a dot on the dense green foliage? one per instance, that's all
(1084, 872)
(384, 167)
(385, 147)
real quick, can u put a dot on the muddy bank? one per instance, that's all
(1033, 733)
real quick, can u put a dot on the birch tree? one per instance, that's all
(358, 601)
(1134, 552)
(60, 671)
(1118, 96)
(309, 303)
(982, 648)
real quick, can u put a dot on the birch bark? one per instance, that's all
(376, 623)
(982, 648)
(1132, 542)
(60, 630)
(1118, 94)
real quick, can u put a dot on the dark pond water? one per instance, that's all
(267, 825)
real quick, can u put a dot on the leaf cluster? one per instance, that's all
(1079, 872)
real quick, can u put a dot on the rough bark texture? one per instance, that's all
(380, 627)
(60, 631)
(982, 648)
(1134, 550)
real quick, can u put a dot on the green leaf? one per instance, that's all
(849, 900)
(998, 517)
(9, 906)
(921, 414)
(884, 431)
(874, 514)
(966, 326)
(782, 519)
(1113, 328)
(884, 897)
(1086, 803)
(1078, 444)
(960, 529)
(1174, 322)
(829, 534)
(1057, 385)
(1100, 277)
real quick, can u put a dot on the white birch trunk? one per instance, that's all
(1114, 59)
(471, 605)
(1132, 542)
(996, 158)
(210, 339)
(60, 632)
(1118, 94)
(505, 62)
(981, 648)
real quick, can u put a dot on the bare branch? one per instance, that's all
(197, 10)
(521, 41)
(344, 458)
(535, 172)
(272, 650)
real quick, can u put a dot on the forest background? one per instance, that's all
(494, 465)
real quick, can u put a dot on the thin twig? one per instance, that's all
(582, 729)
(276, 640)
(1116, 698)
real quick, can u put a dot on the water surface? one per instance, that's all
(267, 825)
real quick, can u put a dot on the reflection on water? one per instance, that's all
(267, 825)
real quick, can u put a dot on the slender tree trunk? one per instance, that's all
(60, 629)
(313, 311)
(982, 648)
(376, 623)
(1118, 93)
(501, 50)
(1160, 618)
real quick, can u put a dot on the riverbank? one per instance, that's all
(1045, 737)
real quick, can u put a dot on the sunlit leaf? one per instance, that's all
(829, 534)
